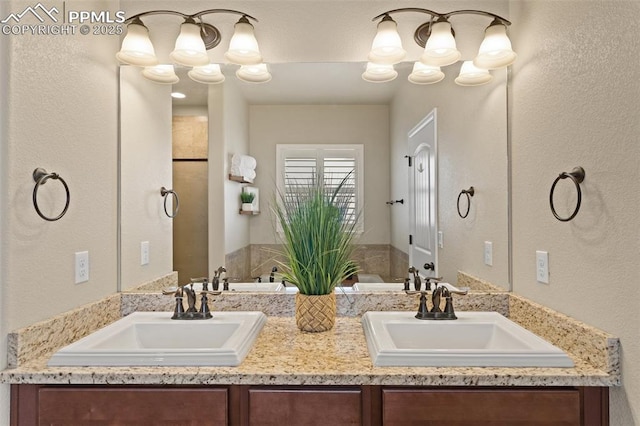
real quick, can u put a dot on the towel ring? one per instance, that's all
(165, 193)
(577, 176)
(469, 193)
(40, 176)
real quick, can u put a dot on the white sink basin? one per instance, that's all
(290, 288)
(475, 339)
(367, 287)
(154, 339)
(250, 286)
(276, 286)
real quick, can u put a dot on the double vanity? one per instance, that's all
(123, 360)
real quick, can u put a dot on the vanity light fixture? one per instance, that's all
(207, 74)
(438, 39)
(258, 73)
(387, 45)
(379, 73)
(163, 74)
(425, 74)
(195, 38)
(470, 75)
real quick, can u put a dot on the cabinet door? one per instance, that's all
(132, 406)
(279, 407)
(406, 407)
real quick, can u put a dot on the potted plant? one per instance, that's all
(317, 232)
(247, 201)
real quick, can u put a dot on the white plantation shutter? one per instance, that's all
(300, 165)
(335, 170)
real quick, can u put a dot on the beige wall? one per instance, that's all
(62, 92)
(216, 176)
(323, 124)
(236, 141)
(228, 133)
(472, 151)
(4, 143)
(145, 146)
(576, 102)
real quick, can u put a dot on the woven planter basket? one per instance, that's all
(315, 313)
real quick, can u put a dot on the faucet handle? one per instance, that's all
(172, 291)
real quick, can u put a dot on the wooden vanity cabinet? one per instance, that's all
(301, 406)
(118, 405)
(244, 405)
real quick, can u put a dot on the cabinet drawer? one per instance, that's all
(453, 407)
(139, 406)
(279, 407)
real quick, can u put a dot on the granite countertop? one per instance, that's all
(282, 355)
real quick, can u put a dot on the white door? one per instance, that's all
(422, 152)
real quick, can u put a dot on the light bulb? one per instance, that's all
(495, 50)
(163, 74)
(137, 48)
(190, 50)
(387, 45)
(440, 49)
(254, 73)
(379, 73)
(470, 75)
(425, 74)
(243, 47)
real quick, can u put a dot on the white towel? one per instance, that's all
(248, 162)
(248, 173)
(242, 162)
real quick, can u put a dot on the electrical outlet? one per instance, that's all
(82, 267)
(144, 253)
(488, 253)
(542, 267)
(440, 239)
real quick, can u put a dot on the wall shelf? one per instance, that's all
(240, 179)
(249, 213)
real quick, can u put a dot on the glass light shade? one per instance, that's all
(136, 47)
(495, 50)
(387, 46)
(379, 73)
(190, 50)
(243, 47)
(254, 73)
(425, 74)
(207, 74)
(163, 74)
(440, 49)
(470, 75)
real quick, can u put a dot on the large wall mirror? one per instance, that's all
(311, 103)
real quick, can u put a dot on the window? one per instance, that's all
(301, 164)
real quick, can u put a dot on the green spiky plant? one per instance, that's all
(247, 197)
(318, 231)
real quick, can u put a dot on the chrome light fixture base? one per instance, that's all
(210, 35)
